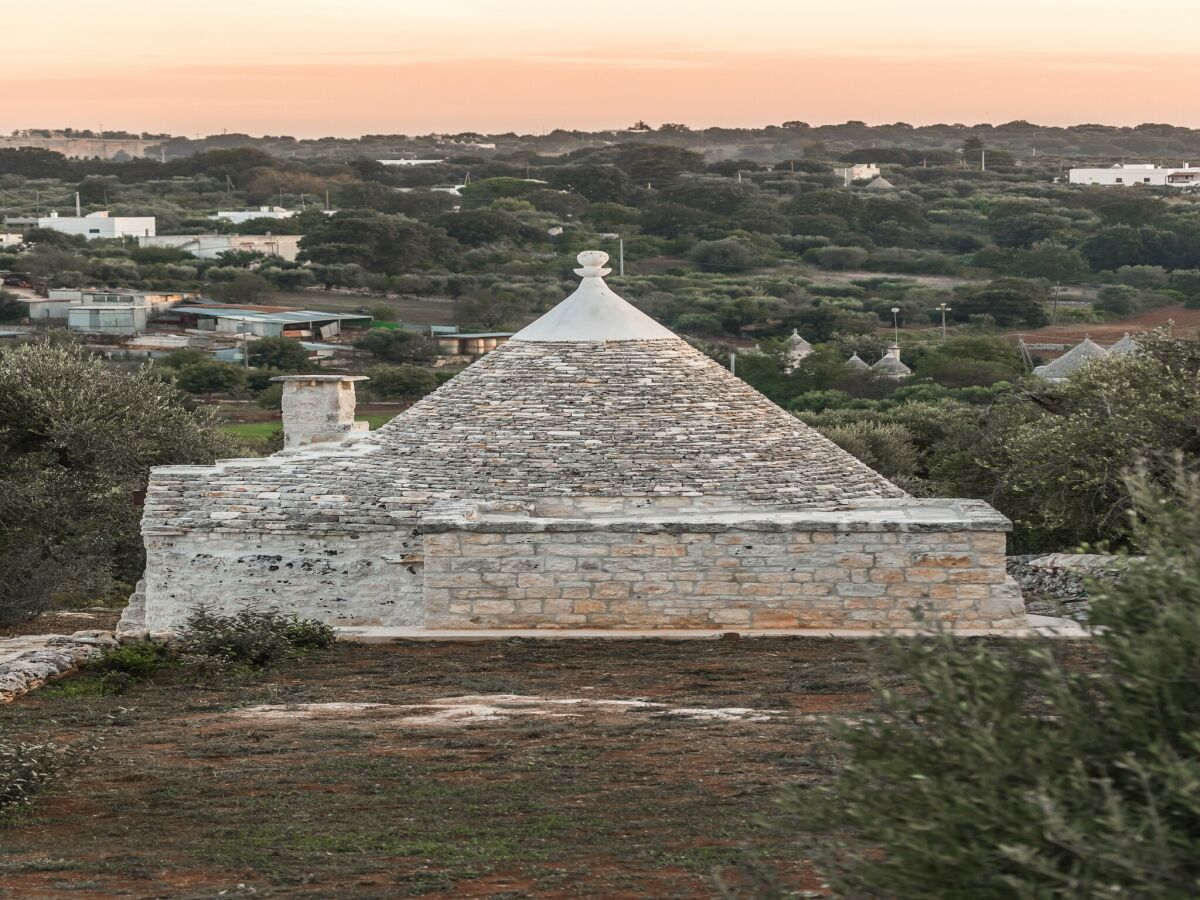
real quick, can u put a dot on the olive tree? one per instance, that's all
(1009, 770)
(77, 440)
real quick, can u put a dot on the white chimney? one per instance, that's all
(319, 409)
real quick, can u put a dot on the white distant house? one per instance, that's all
(100, 225)
(10, 238)
(409, 162)
(857, 172)
(1125, 174)
(59, 301)
(210, 246)
(238, 216)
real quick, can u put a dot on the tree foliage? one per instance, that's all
(77, 440)
(1060, 456)
(1009, 771)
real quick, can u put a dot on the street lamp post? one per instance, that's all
(613, 236)
(896, 324)
(245, 345)
(943, 309)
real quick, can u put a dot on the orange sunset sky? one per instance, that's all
(346, 67)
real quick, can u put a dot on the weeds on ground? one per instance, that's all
(25, 769)
(114, 672)
(251, 638)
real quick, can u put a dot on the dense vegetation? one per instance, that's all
(1011, 772)
(77, 440)
(716, 247)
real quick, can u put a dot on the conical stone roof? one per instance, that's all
(597, 398)
(1071, 361)
(558, 411)
(1125, 345)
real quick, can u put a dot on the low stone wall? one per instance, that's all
(870, 566)
(26, 662)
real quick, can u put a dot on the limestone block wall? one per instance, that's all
(343, 579)
(870, 567)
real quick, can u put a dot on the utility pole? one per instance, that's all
(1054, 312)
(732, 362)
(326, 199)
(943, 309)
(896, 324)
(982, 160)
(78, 210)
(621, 256)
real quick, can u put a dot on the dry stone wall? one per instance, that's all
(342, 579)
(870, 568)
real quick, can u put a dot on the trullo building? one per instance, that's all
(594, 472)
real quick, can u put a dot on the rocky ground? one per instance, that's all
(1057, 584)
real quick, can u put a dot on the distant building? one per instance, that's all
(1125, 174)
(108, 318)
(879, 184)
(10, 239)
(409, 162)
(857, 172)
(210, 246)
(1124, 345)
(890, 366)
(100, 225)
(238, 216)
(1070, 362)
(857, 363)
(83, 147)
(471, 344)
(797, 349)
(59, 301)
(267, 321)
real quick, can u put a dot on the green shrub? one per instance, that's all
(137, 659)
(1006, 772)
(24, 770)
(114, 672)
(884, 446)
(249, 637)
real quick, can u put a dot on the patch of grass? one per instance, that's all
(255, 430)
(114, 672)
(266, 430)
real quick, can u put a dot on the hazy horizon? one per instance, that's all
(314, 68)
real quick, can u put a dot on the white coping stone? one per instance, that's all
(1039, 626)
(594, 312)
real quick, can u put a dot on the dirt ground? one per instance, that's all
(495, 769)
(65, 622)
(1186, 323)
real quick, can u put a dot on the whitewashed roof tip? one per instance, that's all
(594, 312)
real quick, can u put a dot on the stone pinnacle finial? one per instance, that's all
(592, 264)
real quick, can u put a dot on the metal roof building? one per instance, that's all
(269, 321)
